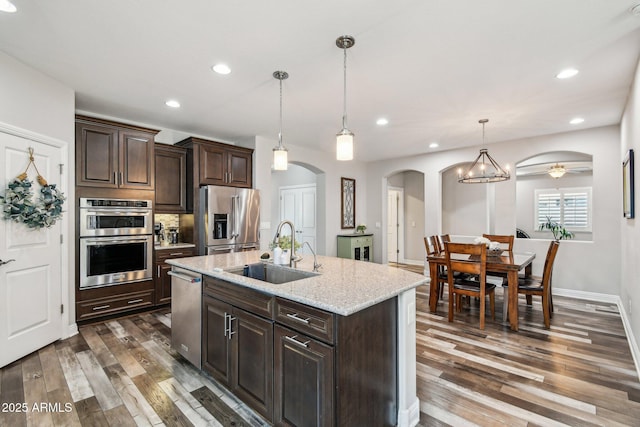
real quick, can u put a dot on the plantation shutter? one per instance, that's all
(576, 210)
(549, 206)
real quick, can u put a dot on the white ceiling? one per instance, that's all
(433, 68)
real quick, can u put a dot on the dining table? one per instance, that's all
(506, 262)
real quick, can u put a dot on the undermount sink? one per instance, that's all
(271, 273)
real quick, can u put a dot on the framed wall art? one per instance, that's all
(348, 203)
(627, 186)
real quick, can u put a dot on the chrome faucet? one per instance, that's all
(316, 266)
(294, 258)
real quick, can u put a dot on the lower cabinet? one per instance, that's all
(238, 352)
(303, 380)
(298, 365)
(109, 300)
(161, 279)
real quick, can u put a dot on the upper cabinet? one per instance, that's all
(171, 179)
(114, 155)
(220, 164)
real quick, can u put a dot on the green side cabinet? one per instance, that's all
(356, 246)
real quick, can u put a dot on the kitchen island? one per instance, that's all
(333, 348)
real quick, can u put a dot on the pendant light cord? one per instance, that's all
(280, 133)
(344, 110)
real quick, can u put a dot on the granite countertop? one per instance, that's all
(164, 246)
(343, 286)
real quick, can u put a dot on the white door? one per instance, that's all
(30, 286)
(298, 204)
(395, 226)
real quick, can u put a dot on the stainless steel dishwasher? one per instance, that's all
(186, 314)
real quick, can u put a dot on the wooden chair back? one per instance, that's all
(435, 244)
(475, 264)
(429, 246)
(548, 266)
(505, 240)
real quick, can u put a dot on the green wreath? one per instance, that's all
(19, 206)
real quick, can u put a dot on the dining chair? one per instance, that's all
(535, 285)
(433, 248)
(474, 264)
(505, 240)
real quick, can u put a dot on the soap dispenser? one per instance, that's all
(277, 255)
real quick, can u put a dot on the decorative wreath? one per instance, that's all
(19, 206)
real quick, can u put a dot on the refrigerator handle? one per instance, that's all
(235, 213)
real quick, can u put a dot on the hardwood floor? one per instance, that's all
(578, 373)
(123, 372)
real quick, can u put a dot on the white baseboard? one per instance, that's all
(612, 299)
(412, 262)
(72, 330)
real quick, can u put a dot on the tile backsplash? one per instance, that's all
(169, 220)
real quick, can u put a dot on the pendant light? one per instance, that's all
(484, 168)
(344, 138)
(557, 171)
(280, 162)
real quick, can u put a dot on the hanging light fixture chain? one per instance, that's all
(280, 133)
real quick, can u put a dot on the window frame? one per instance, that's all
(562, 192)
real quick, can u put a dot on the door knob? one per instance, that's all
(6, 262)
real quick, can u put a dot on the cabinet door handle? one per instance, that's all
(175, 253)
(121, 178)
(102, 307)
(115, 178)
(135, 301)
(158, 270)
(231, 331)
(226, 320)
(295, 316)
(295, 341)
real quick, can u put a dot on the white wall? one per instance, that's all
(36, 103)
(464, 207)
(328, 174)
(581, 266)
(629, 228)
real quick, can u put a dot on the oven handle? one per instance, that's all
(126, 240)
(119, 212)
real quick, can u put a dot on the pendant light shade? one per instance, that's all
(344, 138)
(484, 168)
(280, 157)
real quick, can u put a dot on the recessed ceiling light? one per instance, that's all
(221, 68)
(434, 145)
(7, 6)
(382, 121)
(567, 73)
(172, 103)
(576, 121)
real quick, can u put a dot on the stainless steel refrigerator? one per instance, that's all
(231, 219)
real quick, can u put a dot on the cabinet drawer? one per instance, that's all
(165, 254)
(239, 296)
(114, 304)
(311, 321)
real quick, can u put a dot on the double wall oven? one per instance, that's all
(116, 241)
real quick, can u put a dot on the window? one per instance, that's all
(569, 206)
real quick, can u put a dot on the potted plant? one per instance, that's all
(558, 230)
(361, 228)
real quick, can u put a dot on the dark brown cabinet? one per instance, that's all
(171, 179)
(162, 280)
(109, 300)
(237, 348)
(113, 155)
(223, 165)
(298, 365)
(303, 386)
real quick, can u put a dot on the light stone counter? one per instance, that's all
(166, 246)
(343, 286)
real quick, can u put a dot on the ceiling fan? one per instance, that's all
(555, 169)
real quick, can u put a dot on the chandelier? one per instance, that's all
(484, 168)
(557, 171)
